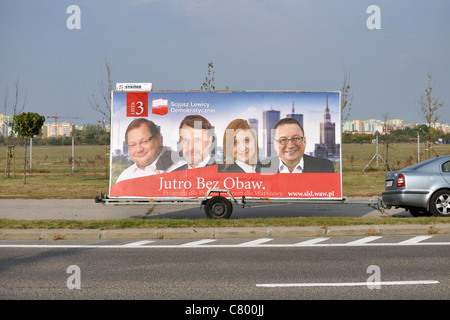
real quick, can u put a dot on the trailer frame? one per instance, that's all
(220, 207)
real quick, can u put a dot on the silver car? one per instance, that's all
(423, 189)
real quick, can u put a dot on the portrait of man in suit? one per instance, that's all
(290, 145)
(196, 139)
(145, 149)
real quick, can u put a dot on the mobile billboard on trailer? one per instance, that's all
(171, 146)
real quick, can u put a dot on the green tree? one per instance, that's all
(92, 134)
(27, 125)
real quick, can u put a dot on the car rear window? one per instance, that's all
(446, 166)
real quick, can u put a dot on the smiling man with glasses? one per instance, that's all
(145, 149)
(290, 145)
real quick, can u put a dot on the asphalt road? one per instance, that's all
(335, 268)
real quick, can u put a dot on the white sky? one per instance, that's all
(254, 45)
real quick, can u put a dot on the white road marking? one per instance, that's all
(363, 241)
(258, 243)
(197, 243)
(254, 243)
(346, 284)
(138, 243)
(415, 240)
(311, 242)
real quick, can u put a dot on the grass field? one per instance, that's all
(51, 176)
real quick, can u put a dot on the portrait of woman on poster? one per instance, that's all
(240, 146)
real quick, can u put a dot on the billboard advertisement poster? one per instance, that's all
(257, 144)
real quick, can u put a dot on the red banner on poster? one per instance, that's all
(196, 182)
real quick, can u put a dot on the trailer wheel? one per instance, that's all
(218, 207)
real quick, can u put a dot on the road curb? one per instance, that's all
(218, 233)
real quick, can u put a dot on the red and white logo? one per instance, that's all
(137, 104)
(160, 106)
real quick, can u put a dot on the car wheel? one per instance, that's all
(419, 212)
(440, 203)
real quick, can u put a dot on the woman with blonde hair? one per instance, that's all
(240, 146)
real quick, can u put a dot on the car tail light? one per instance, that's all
(401, 180)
